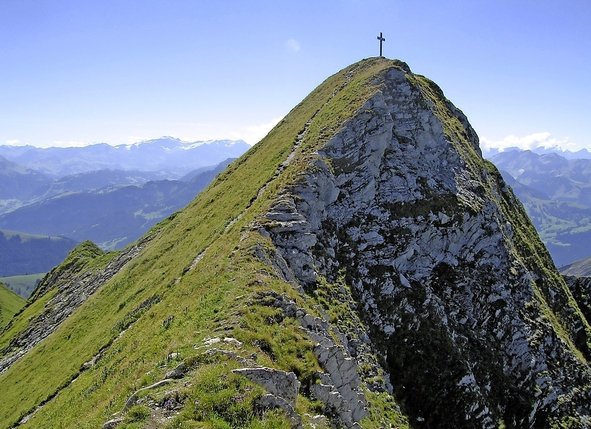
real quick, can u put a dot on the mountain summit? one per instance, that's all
(362, 266)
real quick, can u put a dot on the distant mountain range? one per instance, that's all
(556, 193)
(166, 154)
(580, 268)
(567, 154)
(111, 217)
(108, 194)
(20, 183)
(22, 253)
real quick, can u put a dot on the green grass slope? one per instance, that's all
(10, 304)
(198, 278)
(82, 261)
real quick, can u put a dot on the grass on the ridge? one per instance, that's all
(186, 307)
(10, 304)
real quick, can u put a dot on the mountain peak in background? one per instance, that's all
(362, 266)
(167, 154)
(540, 150)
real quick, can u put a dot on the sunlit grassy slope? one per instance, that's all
(157, 311)
(10, 304)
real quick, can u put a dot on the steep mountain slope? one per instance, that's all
(362, 266)
(110, 217)
(10, 304)
(22, 253)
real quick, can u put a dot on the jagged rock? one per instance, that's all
(340, 383)
(173, 356)
(446, 269)
(211, 341)
(178, 372)
(318, 421)
(172, 401)
(233, 341)
(280, 383)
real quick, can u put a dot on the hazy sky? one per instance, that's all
(117, 71)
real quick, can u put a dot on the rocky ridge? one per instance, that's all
(362, 266)
(396, 206)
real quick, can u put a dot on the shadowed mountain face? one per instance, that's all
(362, 266)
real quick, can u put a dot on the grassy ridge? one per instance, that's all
(164, 307)
(10, 304)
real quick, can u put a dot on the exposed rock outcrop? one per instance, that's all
(473, 322)
(339, 386)
(280, 383)
(282, 387)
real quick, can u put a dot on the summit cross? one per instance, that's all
(381, 39)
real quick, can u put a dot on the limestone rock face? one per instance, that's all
(474, 325)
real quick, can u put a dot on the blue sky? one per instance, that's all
(119, 71)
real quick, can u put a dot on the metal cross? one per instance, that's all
(381, 39)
